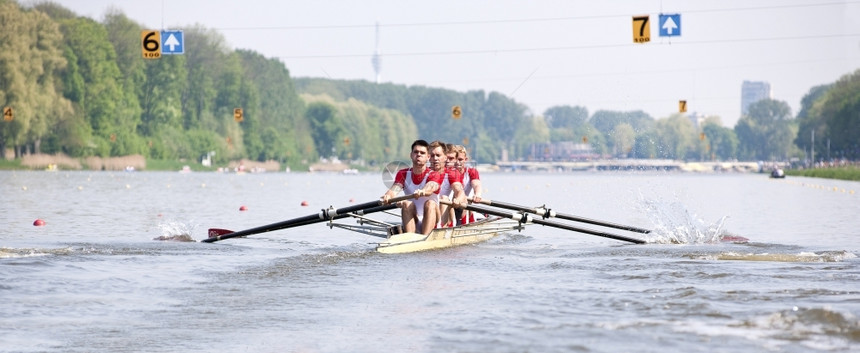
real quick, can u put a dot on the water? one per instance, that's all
(95, 280)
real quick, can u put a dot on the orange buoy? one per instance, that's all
(38, 223)
(243, 208)
(305, 203)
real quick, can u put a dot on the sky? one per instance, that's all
(540, 53)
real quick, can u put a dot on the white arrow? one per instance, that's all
(173, 42)
(669, 26)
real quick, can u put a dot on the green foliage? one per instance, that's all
(841, 173)
(766, 133)
(30, 62)
(677, 136)
(722, 141)
(82, 88)
(491, 121)
(831, 112)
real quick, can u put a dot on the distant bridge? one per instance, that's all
(630, 165)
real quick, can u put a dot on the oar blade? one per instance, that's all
(214, 232)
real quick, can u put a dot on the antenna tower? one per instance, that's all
(377, 58)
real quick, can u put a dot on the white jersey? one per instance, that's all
(410, 187)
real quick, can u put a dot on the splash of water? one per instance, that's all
(175, 231)
(675, 224)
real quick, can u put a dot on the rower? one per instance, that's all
(422, 212)
(471, 183)
(452, 186)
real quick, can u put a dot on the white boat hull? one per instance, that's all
(447, 237)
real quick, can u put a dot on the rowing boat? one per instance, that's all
(396, 242)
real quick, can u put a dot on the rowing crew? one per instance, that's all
(446, 178)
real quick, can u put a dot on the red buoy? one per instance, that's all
(38, 223)
(243, 208)
(305, 203)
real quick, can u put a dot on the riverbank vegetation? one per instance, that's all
(841, 173)
(77, 87)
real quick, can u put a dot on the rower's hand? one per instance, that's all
(419, 193)
(476, 199)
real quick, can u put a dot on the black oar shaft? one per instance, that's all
(547, 213)
(323, 215)
(525, 219)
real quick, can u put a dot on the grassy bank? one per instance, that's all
(11, 164)
(841, 173)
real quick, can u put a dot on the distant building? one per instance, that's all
(753, 91)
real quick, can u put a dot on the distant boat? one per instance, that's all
(777, 174)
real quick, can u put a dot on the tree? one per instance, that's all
(30, 59)
(831, 112)
(765, 133)
(721, 141)
(326, 127)
(605, 122)
(623, 139)
(112, 111)
(677, 137)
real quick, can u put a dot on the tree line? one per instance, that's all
(81, 87)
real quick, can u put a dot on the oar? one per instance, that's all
(524, 218)
(548, 213)
(323, 215)
(220, 232)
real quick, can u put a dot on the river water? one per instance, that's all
(94, 279)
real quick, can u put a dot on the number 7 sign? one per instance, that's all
(641, 29)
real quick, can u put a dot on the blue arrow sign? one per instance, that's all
(670, 25)
(172, 42)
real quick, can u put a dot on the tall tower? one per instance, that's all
(377, 58)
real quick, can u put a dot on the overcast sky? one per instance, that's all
(540, 53)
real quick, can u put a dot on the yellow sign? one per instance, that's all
(238, 115)
(346, 141)
(702, 136)
(585, 139)
(7, 114)
(641, 29)
(456, 112)
(682, 106)
(150, 44)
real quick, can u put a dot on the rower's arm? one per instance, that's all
(479, 190)
(393, 191)
(459, 194)
(428, 189)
